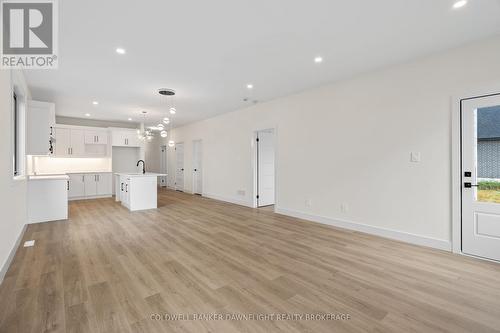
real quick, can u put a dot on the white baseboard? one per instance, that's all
(12, 253)
(91, 197)
(382, 232)
(228, 199)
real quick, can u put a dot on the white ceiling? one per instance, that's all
(209, 50)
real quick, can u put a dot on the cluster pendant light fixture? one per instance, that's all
(168, 95)
(144, 133)
(147, 133)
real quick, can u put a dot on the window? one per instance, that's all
(16, 135)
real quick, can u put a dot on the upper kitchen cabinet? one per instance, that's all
(79, 141)
(121, 137)
(69, 142)
(40, 122)
(96, 137)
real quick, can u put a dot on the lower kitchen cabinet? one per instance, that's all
(89, 185)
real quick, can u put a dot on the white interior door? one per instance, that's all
(163, 165)
(265, 168)
(481, 177)
(179, 166)
(197, 167)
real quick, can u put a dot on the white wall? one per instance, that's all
(350, 142)
(12, 192)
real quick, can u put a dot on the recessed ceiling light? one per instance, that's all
(87, 115)
(250, 86)
(173, 110)
(129, 119)
(120, 50)
(459, 4)
(318, 60)
(95, 102)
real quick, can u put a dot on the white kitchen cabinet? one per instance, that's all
(77, 142)
(104, 184)
(138, 191)
(62, 142)
(96, 137)
(73, 141)
(90, 185)
(40, 122)
(76, 186)
(69, 142)
(125, 138)
(47, 198)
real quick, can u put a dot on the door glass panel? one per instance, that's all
(488, 154)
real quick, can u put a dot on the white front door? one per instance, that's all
(265, 168)
(481, 177)
(179, 169)
(197, 174)
(163, 165)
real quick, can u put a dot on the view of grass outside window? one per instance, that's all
(488, 191)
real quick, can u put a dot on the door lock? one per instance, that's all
(469, 185)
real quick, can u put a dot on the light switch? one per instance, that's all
(415, 157)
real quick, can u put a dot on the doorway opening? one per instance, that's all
(264, 174)
(480, 176)
(197, 167)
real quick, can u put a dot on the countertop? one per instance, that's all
(48, 177)
(147, 174)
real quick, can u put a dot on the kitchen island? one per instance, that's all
(137, 191)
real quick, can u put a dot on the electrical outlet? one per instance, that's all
(29, 243)
(344, 207)
(308, 202)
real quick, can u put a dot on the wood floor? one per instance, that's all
(109, 270)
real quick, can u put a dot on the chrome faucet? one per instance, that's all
(143, 166)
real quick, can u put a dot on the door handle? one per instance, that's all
(470, 185)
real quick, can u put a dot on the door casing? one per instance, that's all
(456, 161)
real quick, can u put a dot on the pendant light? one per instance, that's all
(144, 133)
(172, 110)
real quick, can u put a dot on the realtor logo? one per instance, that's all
(29, 34)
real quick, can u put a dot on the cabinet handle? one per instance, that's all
(126, 187)
(122, 187)
(68, 185)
